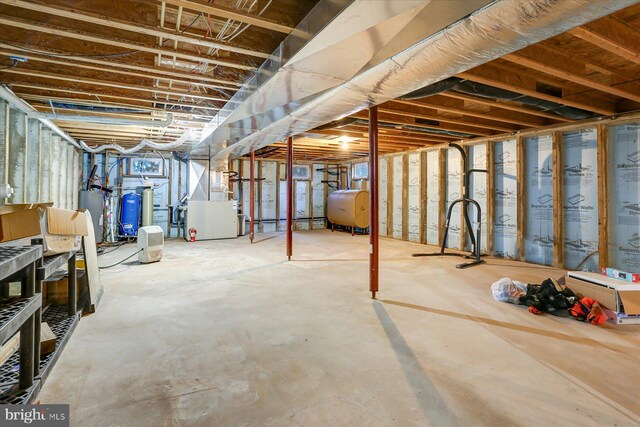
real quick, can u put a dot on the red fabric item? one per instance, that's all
(595, 316)
(534, 310)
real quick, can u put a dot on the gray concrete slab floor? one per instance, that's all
(224, 333)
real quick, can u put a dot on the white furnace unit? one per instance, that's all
(209, 220)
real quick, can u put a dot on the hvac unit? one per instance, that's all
(150, 243)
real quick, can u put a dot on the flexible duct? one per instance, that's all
(145, 143)
(486, 91)
(491, 32)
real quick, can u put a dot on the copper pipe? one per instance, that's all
(373, 201)
(252, 195)
(289, 197)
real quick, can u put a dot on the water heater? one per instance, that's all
(129, 214)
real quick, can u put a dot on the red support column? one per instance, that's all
(289, 197)
(252, 195)
(373, 201)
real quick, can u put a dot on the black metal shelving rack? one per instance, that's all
(61, 319)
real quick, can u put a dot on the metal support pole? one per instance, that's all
(289, 197)
(71, 265)
(37, 326)
(28, 340)
(373, 201)
(252, 195)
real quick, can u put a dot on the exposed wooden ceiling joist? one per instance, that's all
(487, 74)
(572, 69)
(236, 15)
(99, 95)
(503, 105)
(612, 35)
(64, 32)
(67, 63)
(424, 112)
(108, 83)
(128, 65)
(441, 103)
(92, 18)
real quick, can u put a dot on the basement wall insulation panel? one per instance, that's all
(45, 166)
(478, 191)
(433, 176)
(382, 195)
(246, 191)
(33, 154)
(397, 197)
(505, 200)
(17, 156)
(268, 194)
(413, 197)
(302, 204)
(580, 204)
(319, 197)
(282, 223)
(539, 195)
(234, 186)
(624, 196)
(454, 185)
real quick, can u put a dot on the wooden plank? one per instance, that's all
(463, 225)
(103, 69)
(105, 95)
(424, 173)
(108, 83)
(449, 105)
(612, 35)
(571, 69)
(411, 111)
(17, 49)
(496, 77)
(137, 27)
(558, 222)
(504, 106)
(405, 196)
(234, 14)
(442, 192)
(522, 196)
(603, 196)
(390, 196)
(125, 44)
(491, 191)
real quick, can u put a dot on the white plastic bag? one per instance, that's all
(508, 290)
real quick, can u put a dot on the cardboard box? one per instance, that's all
(47, 339)
(605, 296)
(60, 228)
(57, 292)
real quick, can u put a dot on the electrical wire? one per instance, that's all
(120, 262)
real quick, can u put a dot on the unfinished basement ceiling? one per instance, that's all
(588, 72)
(137, 60)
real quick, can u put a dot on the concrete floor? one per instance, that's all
(224, 333)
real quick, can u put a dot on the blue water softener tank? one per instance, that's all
(129, 214)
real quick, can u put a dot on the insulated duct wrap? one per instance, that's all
(500, 28)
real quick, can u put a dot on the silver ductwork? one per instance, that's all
(416, 55)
